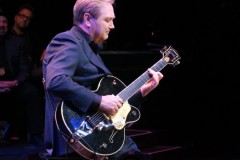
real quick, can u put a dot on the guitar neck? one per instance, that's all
(132, 88)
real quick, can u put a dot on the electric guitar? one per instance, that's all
(97, 135)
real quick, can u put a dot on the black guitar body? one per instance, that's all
(94, 134)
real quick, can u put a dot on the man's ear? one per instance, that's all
(87, 18)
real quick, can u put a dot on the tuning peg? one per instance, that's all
(176, 63)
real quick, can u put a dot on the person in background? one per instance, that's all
(21, 23)
(21, 27)
(19, 98)
(72, 69)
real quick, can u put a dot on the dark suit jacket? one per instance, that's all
(15, 57)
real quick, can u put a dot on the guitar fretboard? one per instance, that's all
(132, 88)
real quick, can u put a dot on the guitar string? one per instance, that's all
(97, 118)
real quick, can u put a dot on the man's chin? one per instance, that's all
(106, 37)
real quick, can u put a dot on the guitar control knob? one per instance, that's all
(134, 113)
(104, 145)
(114, 82)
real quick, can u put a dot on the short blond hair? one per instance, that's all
(88, 6)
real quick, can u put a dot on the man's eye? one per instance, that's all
(108, 20)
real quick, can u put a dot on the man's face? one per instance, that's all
(100, 27)
(3, 25)
(22, 18)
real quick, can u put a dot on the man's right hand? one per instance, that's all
(110, 104)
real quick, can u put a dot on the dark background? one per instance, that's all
(198, 100)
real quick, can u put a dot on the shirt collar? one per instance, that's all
(94, 46)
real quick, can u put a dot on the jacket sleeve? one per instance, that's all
(62, 74)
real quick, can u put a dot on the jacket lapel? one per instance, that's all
(93, 58)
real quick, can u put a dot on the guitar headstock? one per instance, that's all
(170, 55)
